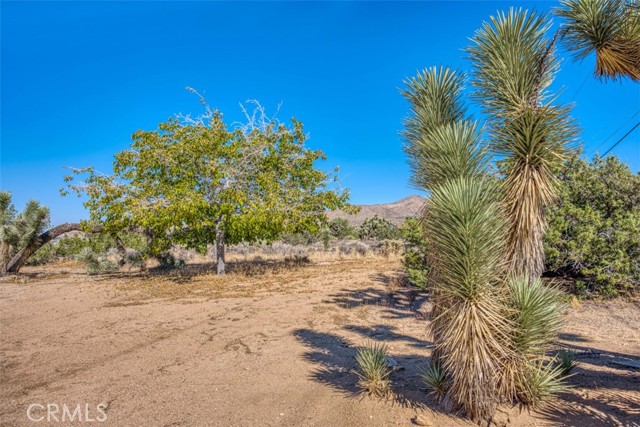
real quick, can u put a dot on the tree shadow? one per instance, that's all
(566, 336)
(188, 272)
(336, 365)
(387, 333)
(399, 300)
(571, 409)
(586, 355)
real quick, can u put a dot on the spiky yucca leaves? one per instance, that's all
(537, 314)
(31, 223)
(536, 318)
(566, 361)
(514, 64)
(541, 382)
(374, 370)
(610, 28)
(19, 231)
(466, 231)
(436, 380)
(434, 97)
(9, 235)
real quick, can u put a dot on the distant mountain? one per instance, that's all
(395, 212)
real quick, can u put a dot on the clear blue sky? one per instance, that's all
(79, 78)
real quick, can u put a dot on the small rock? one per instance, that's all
(500, 419)
(421, 420)
(282, 414)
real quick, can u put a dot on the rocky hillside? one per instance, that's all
(395, 212)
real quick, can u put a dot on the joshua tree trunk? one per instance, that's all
(5, 250)
(220, 263)
(23, 255)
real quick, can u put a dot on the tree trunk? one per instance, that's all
(5, 250)
(23, 255)
(121, 250)
(220, 263)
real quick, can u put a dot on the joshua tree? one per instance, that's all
(513, 65)
(465, 228)
(491, 321)
(19, 231)
(610, 28)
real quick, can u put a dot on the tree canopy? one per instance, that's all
(198, 181)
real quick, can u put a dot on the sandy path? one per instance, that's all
(270, 351)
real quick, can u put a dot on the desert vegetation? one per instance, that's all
(518, 230)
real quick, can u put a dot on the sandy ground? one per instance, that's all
(273, 347)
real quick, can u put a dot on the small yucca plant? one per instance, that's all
(566, 361)
(436, 380)
(537, 312)
(542, 381)
(610, 28)
(536, 318)
(374, 371)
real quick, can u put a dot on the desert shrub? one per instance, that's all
(134, 258)
(594, 229)
(325, 237)
(301, 238)
(95, 263)
(340, 228)
(390, 247)
(361, 248)
(373, 370)
(70, 246)
(44, 255)
(415, 259)
(436, 380)
(377, 228)
(167, 261)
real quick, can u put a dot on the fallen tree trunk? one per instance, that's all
(23, 255)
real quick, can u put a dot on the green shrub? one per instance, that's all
(341, 229)
(390, 247)
(44, 255)
(415, 255)
(168, 261)
(594, 229)
(377, 228)
(70, 246)
(301, 238)
(95, 263)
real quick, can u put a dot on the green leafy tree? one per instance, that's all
(594, 229)
(377, 228)
(197, 182)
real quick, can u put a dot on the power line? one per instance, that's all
(580, 88)
(621, 139)
(613, 133)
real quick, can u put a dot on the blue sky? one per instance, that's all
(79, 78)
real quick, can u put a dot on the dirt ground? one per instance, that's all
(272, 346)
